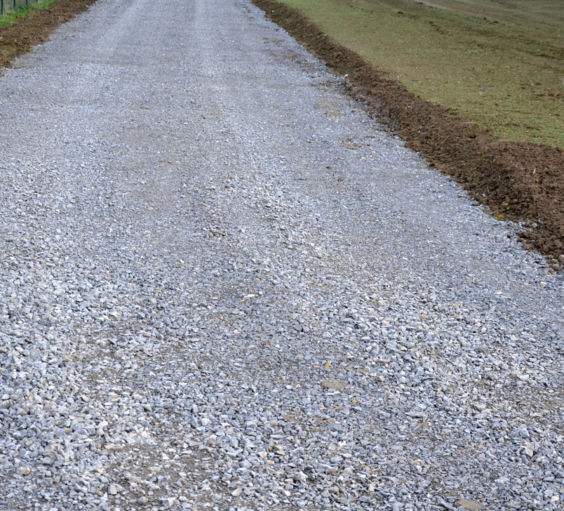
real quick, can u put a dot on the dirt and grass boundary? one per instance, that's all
(32, 26)
(518, 181)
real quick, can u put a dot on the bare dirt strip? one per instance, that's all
(519, 181)
(35, 28)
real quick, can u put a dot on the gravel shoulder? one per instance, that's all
(224, 286)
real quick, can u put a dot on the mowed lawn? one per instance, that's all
(499, 64)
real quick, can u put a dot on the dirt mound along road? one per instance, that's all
(35, 28)
(518, 181)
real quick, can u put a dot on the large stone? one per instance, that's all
(469, 505)
(334, 384)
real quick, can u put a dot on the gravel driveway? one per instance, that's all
(223, 286)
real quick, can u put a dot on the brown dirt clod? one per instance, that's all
(517, 181)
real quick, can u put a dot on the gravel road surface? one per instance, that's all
(223, 286)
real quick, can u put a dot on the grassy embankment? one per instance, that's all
(11, 17)
(498, 64)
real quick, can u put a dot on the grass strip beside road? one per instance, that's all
(507, 77)
(11, 17)
(519, 176)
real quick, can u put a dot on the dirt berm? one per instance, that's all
(36, 27)
(518, 181)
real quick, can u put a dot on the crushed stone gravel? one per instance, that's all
(223, 286)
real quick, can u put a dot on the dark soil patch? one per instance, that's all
(36, 27)
(518, 181)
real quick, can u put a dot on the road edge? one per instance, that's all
(35, 28)
(521, 182)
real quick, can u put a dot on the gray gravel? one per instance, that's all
(223, 286)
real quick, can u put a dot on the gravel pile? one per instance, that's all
(224, 287)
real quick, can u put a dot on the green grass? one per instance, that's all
(499, 63)
(11, 17)
(547, 16)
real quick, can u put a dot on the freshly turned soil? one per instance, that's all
(518, 181)
(36, 27)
